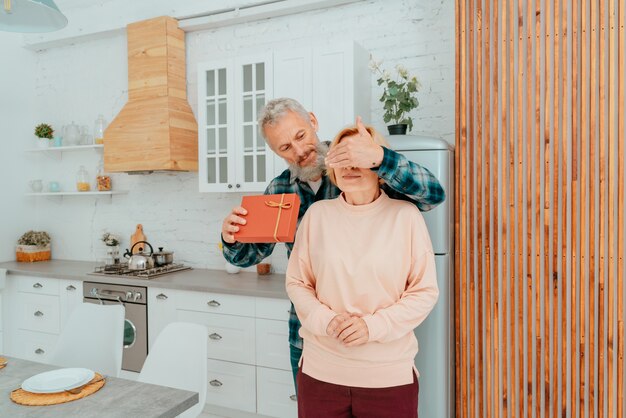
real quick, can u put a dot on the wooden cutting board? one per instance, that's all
(136, 237)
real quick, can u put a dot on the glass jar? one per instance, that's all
(98, 130)
(103, 180)
(82, 180)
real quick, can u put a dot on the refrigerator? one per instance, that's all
(435, 336)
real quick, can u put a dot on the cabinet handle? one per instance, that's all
(161, 296)
(70, 287)
(213, 303)
(215, 337)
(37, 285)
(39, 351)
(38, 313)
(293, 398)
(215, 383)
(238, 185)
(230, 186)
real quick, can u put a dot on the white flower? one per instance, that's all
(110, 240)
(386, 75)
(402, 71)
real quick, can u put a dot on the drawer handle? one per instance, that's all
(215, 336)
(293, 398)
(216, 383)
(38, 285)
(39, 351)
(214, 303)
(161, 296)
(70, 287)
(38, 313)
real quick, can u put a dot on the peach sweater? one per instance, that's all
(375, 260)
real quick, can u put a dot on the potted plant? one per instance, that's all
(112, 243)
(45, 133)
(33, 246)
(398, 98)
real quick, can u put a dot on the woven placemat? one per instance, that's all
(22, 397)
(3, 362)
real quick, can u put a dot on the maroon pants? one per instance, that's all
(317, 399)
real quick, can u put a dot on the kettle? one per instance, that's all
(141, 260)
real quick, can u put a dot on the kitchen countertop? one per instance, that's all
(200, 280)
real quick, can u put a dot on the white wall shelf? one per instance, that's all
(78, 193)
(68, 148)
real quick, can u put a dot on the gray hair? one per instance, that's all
(277, 108)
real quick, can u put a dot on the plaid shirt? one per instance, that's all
(403, 180)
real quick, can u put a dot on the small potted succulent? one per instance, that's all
(33, 246)
(44, 133)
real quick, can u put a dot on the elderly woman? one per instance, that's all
(361, 277)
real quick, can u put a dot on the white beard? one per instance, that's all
(312, 172)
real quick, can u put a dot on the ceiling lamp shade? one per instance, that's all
(31, 16)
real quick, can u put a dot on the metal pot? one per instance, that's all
(162, 258)
(140, 261)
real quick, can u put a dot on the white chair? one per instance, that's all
(178, 359)
(93, 338)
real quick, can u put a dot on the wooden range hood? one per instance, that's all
(156, 129)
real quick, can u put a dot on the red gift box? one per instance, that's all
(270, 218)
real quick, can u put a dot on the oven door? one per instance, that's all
(135, 334)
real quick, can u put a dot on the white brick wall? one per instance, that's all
(78, 82)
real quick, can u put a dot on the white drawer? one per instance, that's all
(38, 313)
(36, 346)
(269, 308)
(39, 285)
(276, 394)
(231, 385)
(231, 338)
(272, 344)
(215, 303)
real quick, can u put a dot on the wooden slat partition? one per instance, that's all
(539, 265)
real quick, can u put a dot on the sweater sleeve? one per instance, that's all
(417, 300)
(300, 284)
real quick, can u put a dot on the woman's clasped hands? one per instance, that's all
(349, 328)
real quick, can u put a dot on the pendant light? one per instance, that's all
(31, 16)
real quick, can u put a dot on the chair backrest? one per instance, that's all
(93, 338)
(178, 359)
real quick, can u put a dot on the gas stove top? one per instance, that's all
(122, 270)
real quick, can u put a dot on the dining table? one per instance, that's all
(117, 398)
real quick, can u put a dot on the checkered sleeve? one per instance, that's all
(407, 180)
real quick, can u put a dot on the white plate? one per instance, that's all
(57, 380)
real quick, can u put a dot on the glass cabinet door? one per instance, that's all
(232, 152)
(216, 132)
(252, 97)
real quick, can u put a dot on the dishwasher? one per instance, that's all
(134, 299)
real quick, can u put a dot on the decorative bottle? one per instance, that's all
(102, 179)
(82, 180)
(98, 130)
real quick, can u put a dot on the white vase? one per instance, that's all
(43, 142)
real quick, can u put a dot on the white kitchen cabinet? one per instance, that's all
(275, 393)
(248, 367)
(36, 309)
(70, 296)
(232, 154)
(332, 81)
(34, 316)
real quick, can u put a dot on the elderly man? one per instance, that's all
(291, 132)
